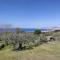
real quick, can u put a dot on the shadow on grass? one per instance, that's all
(23, 49)
(28, 47)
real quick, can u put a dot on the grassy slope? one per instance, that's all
(49, 51)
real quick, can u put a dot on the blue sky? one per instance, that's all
(30, 13)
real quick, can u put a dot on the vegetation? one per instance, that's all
(37, 31)
(43, 38)
(56, 30)
(49, 51)
(20, 40)
(25, 45)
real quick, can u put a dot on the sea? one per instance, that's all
(22, 29)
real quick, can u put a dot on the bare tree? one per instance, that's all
(6, 33)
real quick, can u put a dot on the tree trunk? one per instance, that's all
(20, 46)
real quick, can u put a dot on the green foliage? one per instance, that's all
(56, 30)
(37, 31)
(18, 39)
(0, 39)
(1, 46)
(43, 38)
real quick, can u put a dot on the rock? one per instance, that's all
(50, 38)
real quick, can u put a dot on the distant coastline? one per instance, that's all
(24, 30)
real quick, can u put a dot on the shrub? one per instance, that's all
(2, 46)
(37, 31)
(43, 38)
(56, 30)
(0, 39)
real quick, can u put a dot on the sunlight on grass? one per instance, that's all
(47, 51)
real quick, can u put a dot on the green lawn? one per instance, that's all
(49, 51)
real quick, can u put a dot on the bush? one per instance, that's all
(37, 31)
(43, 38)
(0, 39)
(56, 30)
(2, 46)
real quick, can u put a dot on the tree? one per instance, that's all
(6, 33)
(17, 39)
(37, 31)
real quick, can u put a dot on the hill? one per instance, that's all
(49, 51)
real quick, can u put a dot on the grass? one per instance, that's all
(49, 51)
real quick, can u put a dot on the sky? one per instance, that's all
(30, 13)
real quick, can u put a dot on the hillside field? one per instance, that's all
(49, 51)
